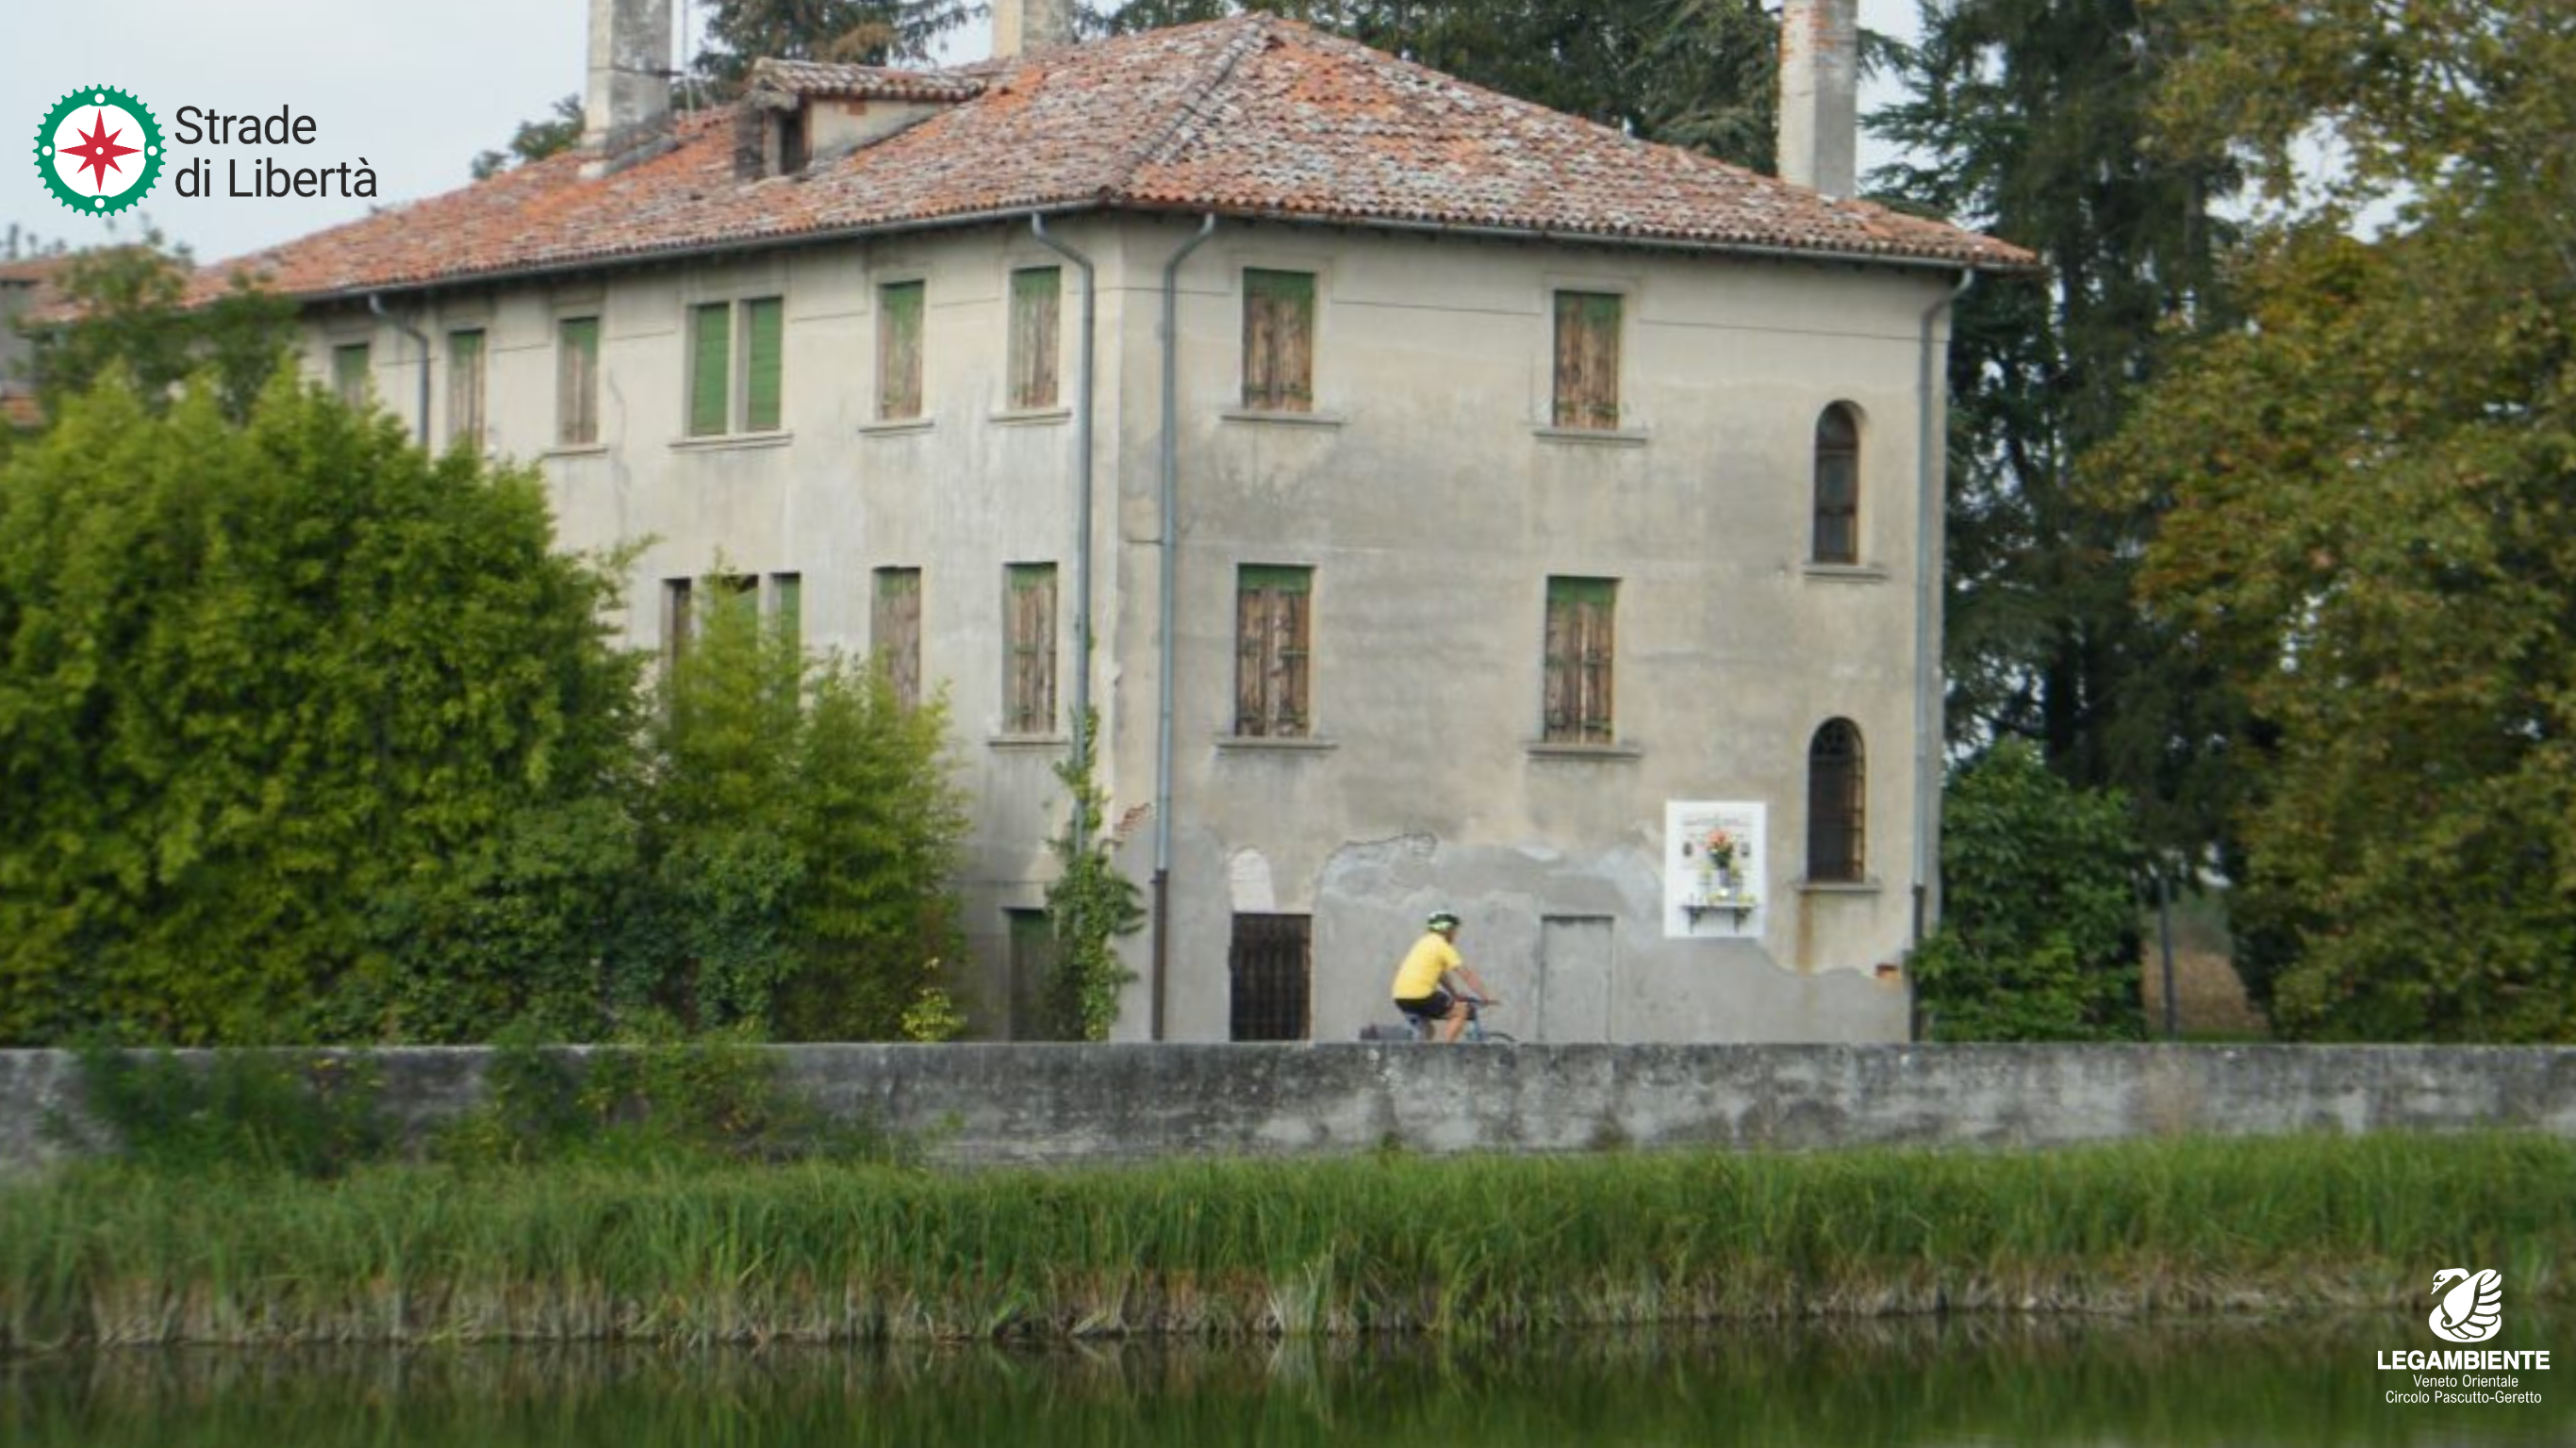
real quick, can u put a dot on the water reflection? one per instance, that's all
(2066, 1384)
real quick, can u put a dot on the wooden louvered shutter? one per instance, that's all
(1278, 340)
(764, 362)
(1580, 651)
(577, 382)
(1587, 360)
(1272, 610)
(710, 369)
(1037, 303)
(1031, 629)
(899, 328)
(896, 631)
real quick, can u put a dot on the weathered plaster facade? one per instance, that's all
(1432, 500)
(1422, 484)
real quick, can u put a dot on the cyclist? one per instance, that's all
(1422, 981)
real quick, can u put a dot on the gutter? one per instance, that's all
(1931, 502)
(376, 304)
(1168, 544)
(1082, 393)
(735, 247)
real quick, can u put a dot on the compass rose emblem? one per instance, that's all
(98, 150)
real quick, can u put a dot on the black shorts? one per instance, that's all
(1434, 1006)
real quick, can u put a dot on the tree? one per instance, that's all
(251, 676)
(1090, 904)
(2372, 525)
(2038, 938)
(536, 140)
(129, 311)
(1701, 73)
(799, 830)
(2032, 119)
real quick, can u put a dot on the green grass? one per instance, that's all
(698, 1251)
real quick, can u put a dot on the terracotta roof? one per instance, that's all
(1250, 116)
(861, 82)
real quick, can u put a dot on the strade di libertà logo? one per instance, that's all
(2468, 1306)
(100, 150)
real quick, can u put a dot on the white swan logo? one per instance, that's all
(2470, 1308)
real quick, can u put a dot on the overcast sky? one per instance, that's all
(415, 89)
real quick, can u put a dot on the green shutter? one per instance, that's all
(1581, 590)
(577, 381)
(349, 373)
(763, 344)
(899, 350)
(1259, 577)
(710, 369)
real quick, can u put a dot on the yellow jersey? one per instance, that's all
(1425, 966)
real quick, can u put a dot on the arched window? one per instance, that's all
(1838, 485)
(1837, 803)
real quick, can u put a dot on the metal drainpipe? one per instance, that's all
(1931, 505)
(1082, 515)
(1169, 542)
(376, 304)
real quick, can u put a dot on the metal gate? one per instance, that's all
(1271, 966)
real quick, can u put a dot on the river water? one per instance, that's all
(2059, 1383)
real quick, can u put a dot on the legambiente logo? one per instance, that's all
(2468, 1306)
(98, 150)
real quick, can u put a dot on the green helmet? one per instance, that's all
(1442, 920)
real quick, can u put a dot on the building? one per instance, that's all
(1470, 506)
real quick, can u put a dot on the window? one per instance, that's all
(1270, 651)
(1837, 811)
(786, 606)
(465, 388)
(679, 618)
(1270, 972)
(684, 605)
(1587, 360)
(577, 381)
(894, 631)
(1837, 486)
(349, 373)
(1580, 638)
(1032, 959)
(735, 389)
(899, 326)
(1028, 693)
(1278, 340)
(1037, 302)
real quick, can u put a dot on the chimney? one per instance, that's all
(1026, 27)
(1819, 93)
(626, 109)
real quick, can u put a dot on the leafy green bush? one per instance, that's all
(277, 1112)
(800, 829)
(1090, 905)
(2038, 937)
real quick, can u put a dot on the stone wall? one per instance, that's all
(1000, 1104)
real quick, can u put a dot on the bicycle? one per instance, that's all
(1424, 1029)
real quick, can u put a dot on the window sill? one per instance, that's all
(1283, 418)
(1862, 886)
(1276, 744)
(899, 427)
(1030, 416)
(1584, 753)
(1593, 436)
(577, 450)
(1845, 572)
(732, 441)
(1019, 743)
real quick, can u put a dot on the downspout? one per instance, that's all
(376, 304)
(1168, 540)
(1932, 500)
(1082, 518)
